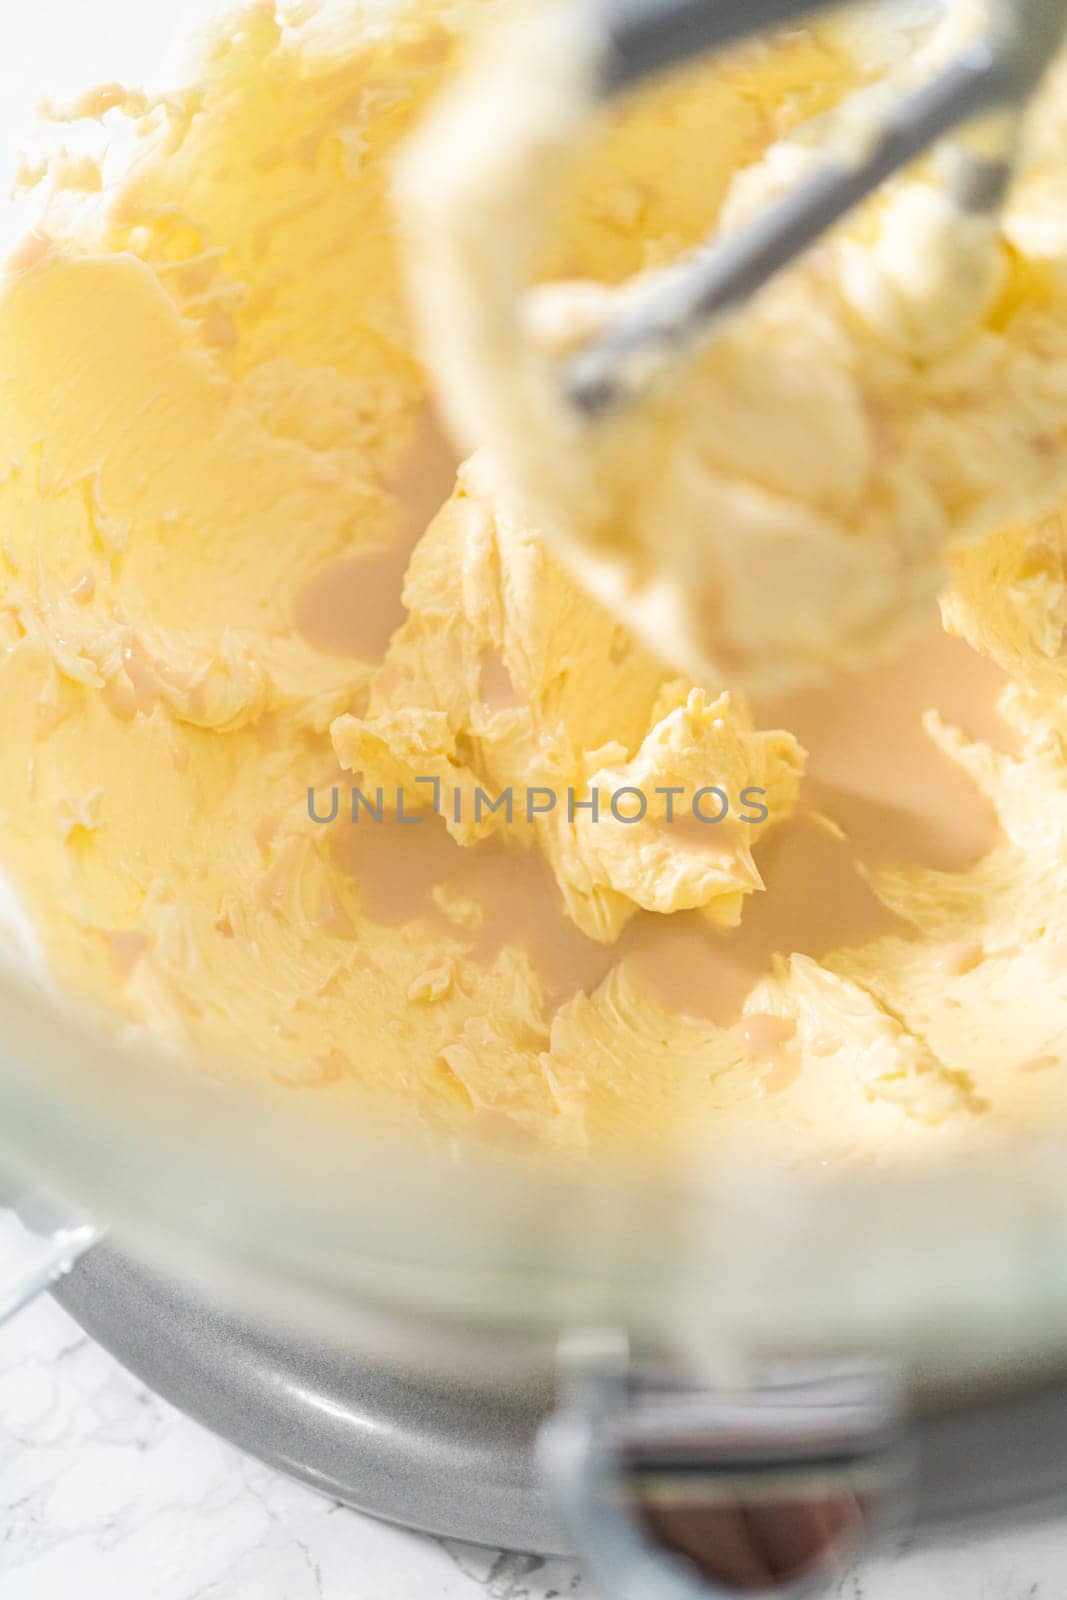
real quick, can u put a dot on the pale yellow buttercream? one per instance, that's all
(209, 388)
(780, 498)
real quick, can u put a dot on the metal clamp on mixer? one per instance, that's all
(40, 1239)
(681, 1494)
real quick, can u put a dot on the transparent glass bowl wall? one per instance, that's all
(960, 1273)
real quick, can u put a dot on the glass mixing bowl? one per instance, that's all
(952, 1278)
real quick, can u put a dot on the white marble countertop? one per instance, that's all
(106, 1493)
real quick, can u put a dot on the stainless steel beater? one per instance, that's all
(997, 73)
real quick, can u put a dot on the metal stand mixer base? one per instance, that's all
(437, 1459)
(444, 1459)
